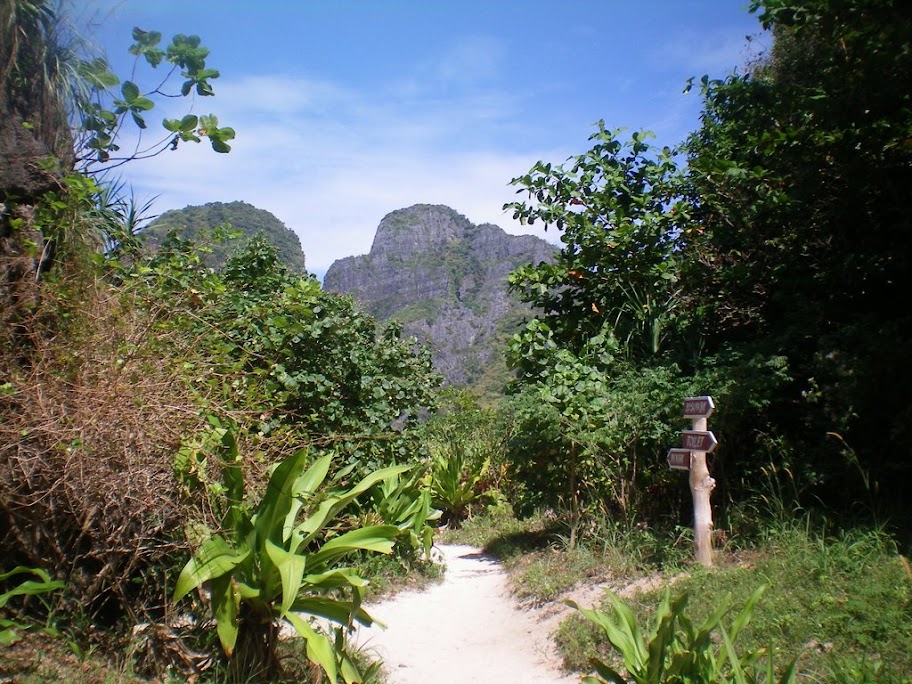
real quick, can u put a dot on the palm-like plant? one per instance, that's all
(273, 566)
(675, 650)
(456, 473)
(405, 501)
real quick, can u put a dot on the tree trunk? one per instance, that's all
(255, 658)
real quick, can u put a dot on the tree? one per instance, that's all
(304, 362)
(798, 175)
(621, 214)
(596, 375)
(770, 266)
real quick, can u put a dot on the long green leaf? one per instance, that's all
(605, 672)
(304, 486)
(619, 636)
(226, 604)
(736, 671)
(337, 577)
(22, 569)
(291, 571)
(319, 648)
(340, 612)
(704, 633)
(214, 559)
(663, 635)
(29, 587)
(308, 483)
(789, 676)
(307, 530)
(269, 520)
(373, 478)
(627, 637)
(746, 612)
(350, 672)
(378, 538)
(235, 518)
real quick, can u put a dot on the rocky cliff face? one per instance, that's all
(444, 279)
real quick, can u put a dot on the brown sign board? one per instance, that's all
(679, 459)
(699, 441)
(698, 407)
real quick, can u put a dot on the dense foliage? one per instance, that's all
(804, 248)
(302, 363)
(122, 375)
(764, 272)
(154, 409)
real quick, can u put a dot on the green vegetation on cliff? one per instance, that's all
(197, 223)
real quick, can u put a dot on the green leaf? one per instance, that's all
(607, 673)
(21, 569)
(291, 569)
(746, 612)
(189, 122)
(378, 538)
(737, 673)
(130, 91)
(269, 520)
(219, 146)
(226, 603)
(306, 531)
(214, 559)
(319, 648)
(350, 673)
(29, 587)
(340, 612)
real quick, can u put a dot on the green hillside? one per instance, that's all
(197, 223)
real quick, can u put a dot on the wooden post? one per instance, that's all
(697, 443)
(701, 485)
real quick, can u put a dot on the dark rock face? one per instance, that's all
(445, 279)
(36, 146)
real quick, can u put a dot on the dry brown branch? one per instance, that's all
(87, 437)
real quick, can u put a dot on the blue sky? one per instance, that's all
(346, 110)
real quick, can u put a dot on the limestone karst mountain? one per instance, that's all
(444, 279)
(191, 221)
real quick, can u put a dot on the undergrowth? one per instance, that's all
(842, 606)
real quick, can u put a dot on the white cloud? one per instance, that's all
(331, 163)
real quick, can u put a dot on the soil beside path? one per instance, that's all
(465, 629)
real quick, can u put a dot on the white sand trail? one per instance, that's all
(465, 629)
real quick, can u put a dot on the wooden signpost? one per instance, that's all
(679, 459)
(697, 443)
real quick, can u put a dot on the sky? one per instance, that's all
(346, 110)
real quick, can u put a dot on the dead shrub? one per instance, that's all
(89, 423)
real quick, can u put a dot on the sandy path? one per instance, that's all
(465, 629)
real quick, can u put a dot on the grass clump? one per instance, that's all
(543, 562)
(841, 606)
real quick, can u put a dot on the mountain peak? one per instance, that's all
(444, 279)
(418, 228)
(193, 222)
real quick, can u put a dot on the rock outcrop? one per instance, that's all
(444, 279)
(36, 146)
